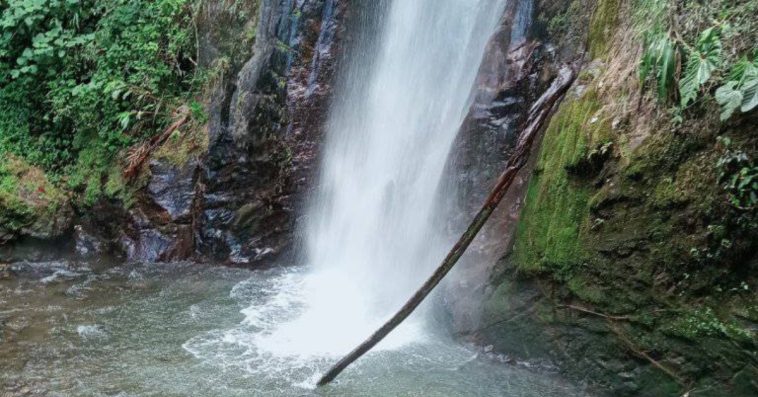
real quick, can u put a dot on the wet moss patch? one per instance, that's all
(557, 204)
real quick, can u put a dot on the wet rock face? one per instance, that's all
(512, 75)
(234, 202)
(264, 132)
(173, 187)
(86, 244)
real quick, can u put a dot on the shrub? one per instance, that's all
(89, 77)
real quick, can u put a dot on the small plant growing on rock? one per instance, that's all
(738, 175)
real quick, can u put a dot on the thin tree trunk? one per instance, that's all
(538, 115)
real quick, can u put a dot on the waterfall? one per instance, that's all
(370, 234)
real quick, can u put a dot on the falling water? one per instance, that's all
(371, 236)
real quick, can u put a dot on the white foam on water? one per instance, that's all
(333, 318)
(371, 235)
(91, 331)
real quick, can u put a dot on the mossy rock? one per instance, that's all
(603, 26)
(183, 145)
(30, 204)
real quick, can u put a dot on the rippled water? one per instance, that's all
(193, 330)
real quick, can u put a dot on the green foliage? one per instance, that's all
(702, 61)
(695, 52)
(701, 323)
(659, 60)
(659, 56)
(738, 175)
(741, 89)
(88, 78)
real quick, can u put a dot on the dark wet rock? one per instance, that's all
(319, 45)
(153, 236)
(172, 187)
(150, 246)
(32, 249)
(96, 237)
(87, 245)
(261, 143)
(511, 77)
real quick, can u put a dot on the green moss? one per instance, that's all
(183, 144)
(666, 194)
(562, 17)
(703, 322)
(548, 235)
(602, 27)
(585, 290)
(28, 200)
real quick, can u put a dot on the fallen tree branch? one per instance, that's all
(137, 156)
(538, 115)
(643, 355)
(594, 313)
(627, 341)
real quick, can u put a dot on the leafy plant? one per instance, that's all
(741, 90)
(710, 48)
(738, 175)
(87, 78)
(659, 59)
(702, 60)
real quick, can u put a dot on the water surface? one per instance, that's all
(194, 330)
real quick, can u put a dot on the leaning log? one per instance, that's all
(538, 115)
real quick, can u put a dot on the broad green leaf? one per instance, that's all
(749, 95)
(696, 73)
(647, 64)
(738, 70)
(700, 65)
(729, 99)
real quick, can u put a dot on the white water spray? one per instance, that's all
(371, 236)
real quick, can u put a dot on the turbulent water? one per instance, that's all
(194, 330)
